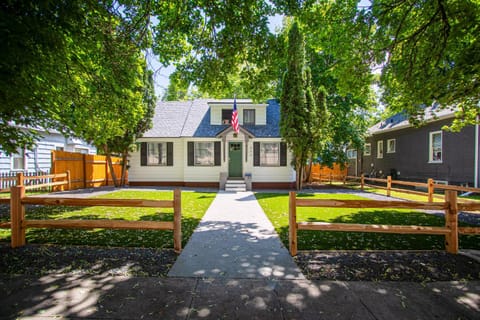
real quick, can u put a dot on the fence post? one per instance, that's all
(17, 216)
(177, 220)
(362, 181)
(430, 190)
(84, 158)
(69, 180)
(292, 225)
(451, 221)
(389, 185)
(20, 179)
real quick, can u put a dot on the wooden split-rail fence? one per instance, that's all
(451, 229)
(430, 186)
(18, 223)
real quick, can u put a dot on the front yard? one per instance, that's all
(275, 206)
(194, 205)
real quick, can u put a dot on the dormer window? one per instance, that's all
(226, 116)
(249, 116)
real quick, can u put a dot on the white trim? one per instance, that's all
(380, 147)
(369, 151)
(394, 146)
(430, 147)
(25, 160)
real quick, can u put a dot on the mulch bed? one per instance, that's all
(421, 266)
(425, 266)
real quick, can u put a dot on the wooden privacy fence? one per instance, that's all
(430, 186)
(34, 180)
(86, 170)
(323, 173)
(450, 206)
(18, 224)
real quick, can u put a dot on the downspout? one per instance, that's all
(476, 153)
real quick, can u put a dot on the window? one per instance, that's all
(59, 148)
(204, 154)
(81, 150)
(157, 154)
(227, 116)
(435, 149)
(269, 154)
(249, 116)
(18, 160)
(391, 145)
(367, 150)
(380, 149)
(352, 154)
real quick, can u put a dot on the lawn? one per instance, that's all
(194, 205)
(275, 206)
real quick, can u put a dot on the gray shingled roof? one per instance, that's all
(192, 119)
(400, 120)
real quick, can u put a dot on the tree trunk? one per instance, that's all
(110, 165)
(124, 167)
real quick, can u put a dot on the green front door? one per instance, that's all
(235, 160)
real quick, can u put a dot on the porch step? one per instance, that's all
(235, 186)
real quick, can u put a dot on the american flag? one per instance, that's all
(235, 126)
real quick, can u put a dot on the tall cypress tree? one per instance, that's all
(299, 123)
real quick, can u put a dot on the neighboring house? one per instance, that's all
(193, 144)
(394, 147)
(39, 158)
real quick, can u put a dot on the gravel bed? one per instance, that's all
(422, 266)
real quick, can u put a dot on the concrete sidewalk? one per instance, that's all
(75, 296)
(235, 239)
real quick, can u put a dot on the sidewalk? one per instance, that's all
(105, 297)
(235, 239)
(233, 267)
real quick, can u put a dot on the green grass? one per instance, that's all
(194, 206)
(276, 207)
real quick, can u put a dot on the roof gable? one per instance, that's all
(192, 119)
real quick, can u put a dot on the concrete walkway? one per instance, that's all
(235, 240)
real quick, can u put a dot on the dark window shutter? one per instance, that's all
(283, 154)
(191, 159)
(170, 154)
(143, 154)
(256, 154)
(217, 149)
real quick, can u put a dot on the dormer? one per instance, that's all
(249, 113)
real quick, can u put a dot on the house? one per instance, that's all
(395, 147)
(39, 158)
(192, 144)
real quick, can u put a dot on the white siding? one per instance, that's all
(39, 158)
(158, 173)
(260, 113)
(201, 173)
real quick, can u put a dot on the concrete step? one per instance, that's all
(235, 186)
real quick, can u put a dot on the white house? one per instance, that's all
(193, 144)
(39, 158)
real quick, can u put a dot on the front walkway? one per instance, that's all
(235, 240)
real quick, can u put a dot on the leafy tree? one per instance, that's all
(299, 123)
(429, 50)
(338, 50)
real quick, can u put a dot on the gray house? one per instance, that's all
(39, 158)
(394, 147)
(192, 143)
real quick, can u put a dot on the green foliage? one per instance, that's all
(429, 50)
(76, 66)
